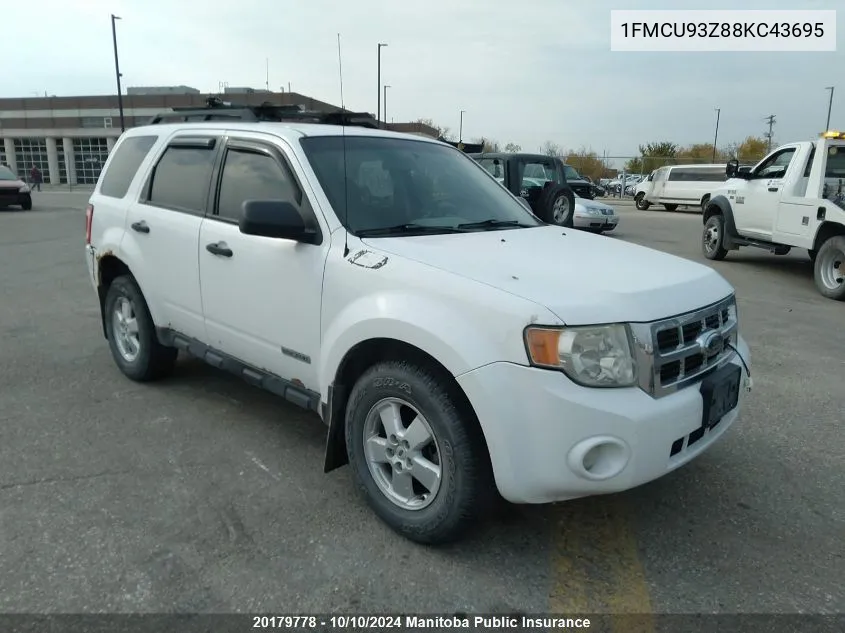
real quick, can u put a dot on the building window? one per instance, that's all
(89, 155)
(95, 121)
(62, 164)
(29, 152)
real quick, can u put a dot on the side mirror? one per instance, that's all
(732, 168)
(277, 219)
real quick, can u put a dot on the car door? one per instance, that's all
(658, 184)
(763, 194)
(162, 230)
(261, 296)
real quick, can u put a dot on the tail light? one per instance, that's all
(89, 220)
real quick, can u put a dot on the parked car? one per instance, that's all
(454, 345)
(594, 216)
(675, 185)
(538, 179)
(13, 190)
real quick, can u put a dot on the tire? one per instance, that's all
(140, 357)
(704, 202)
(26, 204)
(829, 268)
(711, 238)
(463, 491)
(641, 203)
(670, 207)
(557, 206)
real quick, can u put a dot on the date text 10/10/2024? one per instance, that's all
(405, 622)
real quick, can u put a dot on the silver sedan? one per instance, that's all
(594, 216)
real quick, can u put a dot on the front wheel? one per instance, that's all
(713, 237)
(641, 203)
(26, 203)
(829, 268)
(417, 456)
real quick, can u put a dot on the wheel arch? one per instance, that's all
(356, 361)
(720, 205)
(825, 231)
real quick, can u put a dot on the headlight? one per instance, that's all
(24, 189)
(593, 356)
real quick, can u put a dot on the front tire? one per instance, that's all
(829, 268)
(26, 203)
(641, 203)
(131, 333)
(418, 457)
(712, 238)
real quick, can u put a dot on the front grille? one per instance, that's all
(675, 352)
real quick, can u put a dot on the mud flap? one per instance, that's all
(336, 455)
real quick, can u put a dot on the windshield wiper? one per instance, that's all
(492, 223)
(401, 229)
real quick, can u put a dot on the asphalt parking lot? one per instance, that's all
(204, 494)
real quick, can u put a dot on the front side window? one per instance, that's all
(776, 166)
(393, 183)
(249, 175)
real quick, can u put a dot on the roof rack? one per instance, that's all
(218, 110)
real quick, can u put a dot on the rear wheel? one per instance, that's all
(641, 203)
(557, 206)
(712, 238)
(131, 333)
(670, 207)
(417, 456)
(829, 268)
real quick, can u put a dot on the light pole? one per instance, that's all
(829, 108)
(716, 138)
(117, 72)
(378, 89)
(461, 128)
(385, 103)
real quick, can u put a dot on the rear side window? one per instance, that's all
(127, 158)
(181, 178)
(251, 176)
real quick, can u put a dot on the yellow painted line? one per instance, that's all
(596, 567)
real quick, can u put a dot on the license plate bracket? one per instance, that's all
(720, 393)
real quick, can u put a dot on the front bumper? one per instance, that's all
(538, 425)
(13, 197)
(582, 220)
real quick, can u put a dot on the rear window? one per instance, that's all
(128, 156)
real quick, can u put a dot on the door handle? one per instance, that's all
(141, 227)
(773, 189)
(219, 248)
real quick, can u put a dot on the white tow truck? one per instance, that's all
(793, 198)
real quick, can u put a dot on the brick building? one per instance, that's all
(69, 138)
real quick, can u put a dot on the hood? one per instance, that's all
(581, 277)
(12, 184)
(591, 204)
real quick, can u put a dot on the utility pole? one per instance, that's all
(378, 88)
(385, 102)
(117, 72)
(771, 121)
(829, 108)
(716, 138)
(461, 128)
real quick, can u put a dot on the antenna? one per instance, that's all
(343, 140)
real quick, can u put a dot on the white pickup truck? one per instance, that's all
(793, 198)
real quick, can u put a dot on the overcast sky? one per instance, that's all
(525, 71)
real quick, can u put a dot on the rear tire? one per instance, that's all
(829, 268)
(641, 203)
(557, 206)
(452, 461)
(712, 238)
(670, 207)
(131, 333)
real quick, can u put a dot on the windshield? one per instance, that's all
(570, 172)
(398, 183)
(6, 173)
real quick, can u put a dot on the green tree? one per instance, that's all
(654, 155)
(698, 154)
(752, 149)
(586, 162)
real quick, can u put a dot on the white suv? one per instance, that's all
(450, 341)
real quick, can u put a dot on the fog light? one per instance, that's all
(599, 458)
